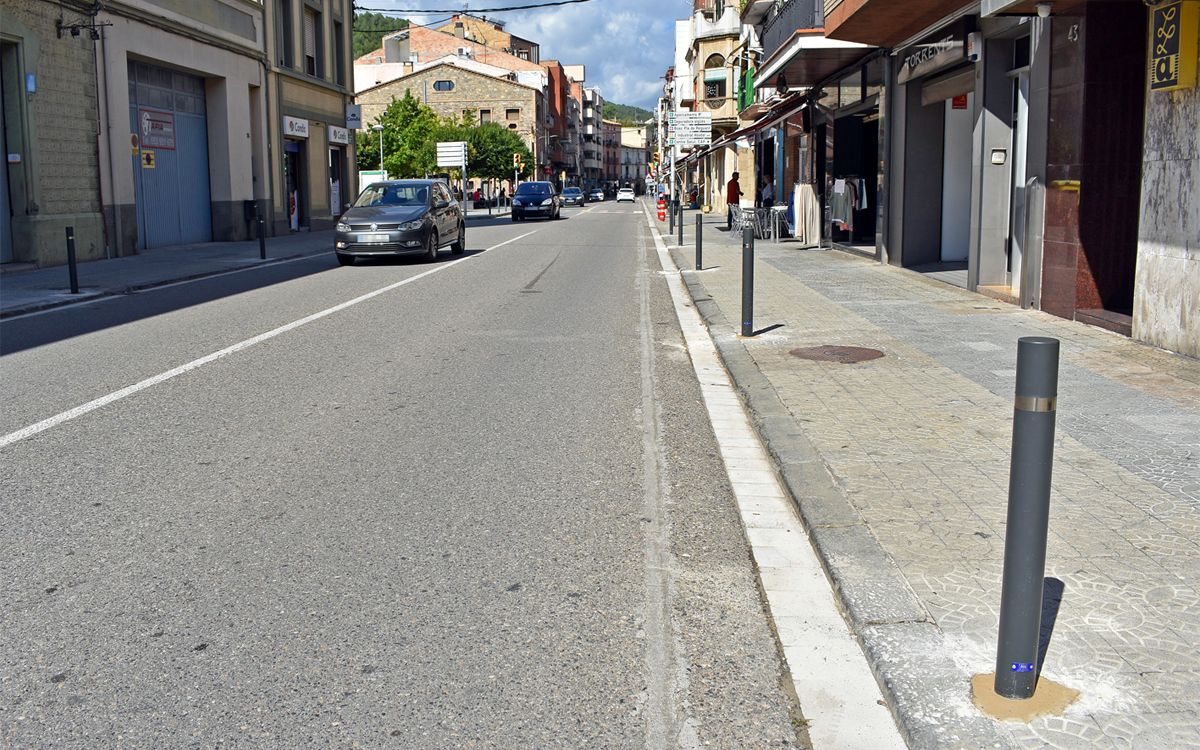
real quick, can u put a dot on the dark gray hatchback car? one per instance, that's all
(401, 217)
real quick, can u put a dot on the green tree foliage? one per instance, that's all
(626, 114)
(412, 131)
(370, 28)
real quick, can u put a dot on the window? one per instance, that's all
(523, 54)
(286, 45)
(339, 54)
(485, 116)
(313, 44)
(443, 85)
(512, 115)
(715, 85)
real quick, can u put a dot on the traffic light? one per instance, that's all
(517, 160)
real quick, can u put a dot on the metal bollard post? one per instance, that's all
(681, 223)
(1028, 517)
(699, 241)
(671, 211)
(71, 270)
(262, 237)
(748, 281)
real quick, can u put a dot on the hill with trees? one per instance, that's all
(626, 114)
(370, 28)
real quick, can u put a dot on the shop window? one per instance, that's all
(443, 85)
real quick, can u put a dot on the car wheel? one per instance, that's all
(431, 247)
(345, 260)
(460, 245)
(514, 217)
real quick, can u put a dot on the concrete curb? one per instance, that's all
(134, 288)
(889, 620)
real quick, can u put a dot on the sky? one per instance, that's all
(625, 44)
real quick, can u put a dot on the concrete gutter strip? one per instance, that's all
(926, 695)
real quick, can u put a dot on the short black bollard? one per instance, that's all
(1028, 517)
(262, 238)
(681, 223)
(699, 241)
(671, 211)
(71, 270)
(748, 281)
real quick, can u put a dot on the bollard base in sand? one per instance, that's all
(1049, 699)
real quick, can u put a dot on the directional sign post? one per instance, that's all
(693, 129)
(454, 154)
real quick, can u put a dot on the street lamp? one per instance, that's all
(379, 129)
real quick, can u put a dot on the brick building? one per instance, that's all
(612, 152)
(451, 91)
(48, 121)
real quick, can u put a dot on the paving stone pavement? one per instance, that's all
(917, 443)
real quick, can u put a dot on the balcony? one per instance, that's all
(705, 24)
(784, 20)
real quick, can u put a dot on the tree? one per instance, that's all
(370, 28)
(492, 149)
(408, 128)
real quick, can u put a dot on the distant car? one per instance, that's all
(536, 199)
(596, 195)
(625, 194)
(572, 196)
(401, 217)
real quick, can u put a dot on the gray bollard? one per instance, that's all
(72, 271)
(262, 238)
(748, 281)
(671, 212)
(681, 223)
(1028, 517)
(699, 241)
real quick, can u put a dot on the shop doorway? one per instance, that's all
(293, 182)
(956, 178)
(337, 181)
(855, 178)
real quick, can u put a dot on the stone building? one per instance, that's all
(491, 34)
(452, 91)
(51, 178)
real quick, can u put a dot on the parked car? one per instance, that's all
(401, 217)
(597, 195)
(625, 194)
(536, 199)
(572, 196)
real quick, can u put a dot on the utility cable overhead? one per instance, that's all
(475, 11)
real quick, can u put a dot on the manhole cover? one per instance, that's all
(846, 355)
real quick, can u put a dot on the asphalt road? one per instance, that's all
(482, 508)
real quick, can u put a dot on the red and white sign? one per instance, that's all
(157, 129)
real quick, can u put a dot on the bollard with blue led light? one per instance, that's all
(1028, 517)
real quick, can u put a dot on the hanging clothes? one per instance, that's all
(840, 205)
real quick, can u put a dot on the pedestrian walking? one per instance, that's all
(733, 196)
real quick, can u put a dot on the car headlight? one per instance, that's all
(342, 226)
(516, 202)
(547, 202)
(410, 226)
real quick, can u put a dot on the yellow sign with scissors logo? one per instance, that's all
(1174, 42)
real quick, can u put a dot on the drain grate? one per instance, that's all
(846, 355)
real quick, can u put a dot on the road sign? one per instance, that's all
(452, 154)
(693, 129)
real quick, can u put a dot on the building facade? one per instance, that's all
(51, 177)
(612, 153)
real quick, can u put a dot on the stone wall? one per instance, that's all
(1166, 310)
(53, 130)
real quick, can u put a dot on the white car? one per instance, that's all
(625, 194)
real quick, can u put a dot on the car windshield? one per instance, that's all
(533, 188)
(393, 195)
(572, 191)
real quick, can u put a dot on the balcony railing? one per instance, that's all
(785, 19)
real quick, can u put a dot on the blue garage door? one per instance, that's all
(170, 169)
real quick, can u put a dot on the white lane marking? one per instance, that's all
(838, 693)
(90, 406)
(108, 296)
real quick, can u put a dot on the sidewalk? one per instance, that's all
(42, 288)
(899, 469)
(38, 289)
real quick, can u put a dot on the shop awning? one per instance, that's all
(884, 23)
(1026, 7)
(808, 58)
